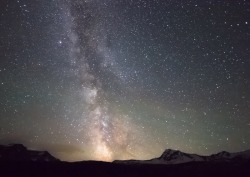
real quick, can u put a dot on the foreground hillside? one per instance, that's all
(229, 166)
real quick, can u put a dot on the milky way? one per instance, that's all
(125, 79)
(110, 133)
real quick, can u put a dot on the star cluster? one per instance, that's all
(105, 80)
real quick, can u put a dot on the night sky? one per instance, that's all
(125, 79)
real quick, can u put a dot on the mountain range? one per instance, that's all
(18, 161)
(170, 156)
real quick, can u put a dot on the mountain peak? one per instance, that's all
(167, 151)
(171, 154)
(223, 154)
